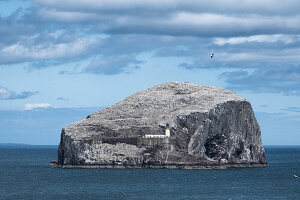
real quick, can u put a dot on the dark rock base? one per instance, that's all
(165, 166)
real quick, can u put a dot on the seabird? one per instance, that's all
(212, 55)
(296, 176)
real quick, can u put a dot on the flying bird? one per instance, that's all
(212, 55)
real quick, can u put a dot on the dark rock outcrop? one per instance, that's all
(209, 127)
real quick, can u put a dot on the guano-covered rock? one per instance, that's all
(176, 124)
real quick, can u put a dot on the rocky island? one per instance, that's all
(172, 125)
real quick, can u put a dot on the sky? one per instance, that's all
(61, 60)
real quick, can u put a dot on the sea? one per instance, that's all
(25, 174)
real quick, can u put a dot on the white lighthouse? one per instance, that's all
(167, 131)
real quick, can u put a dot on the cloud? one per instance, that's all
(20, 52)
(111, 65)
(36, 105)
(190, 66)
(62, 99)
(184, 23)
(226, 6)
(292, 109)
(111, 35)
(85, 19)
(257, 38)
(68, 72)
(284, 80)
(243, 53)
(173, 17)
(6, 94)
(65, 16)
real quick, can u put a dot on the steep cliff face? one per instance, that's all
(209, 126)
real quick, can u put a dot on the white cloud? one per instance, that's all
(24, 52)
(111, 65)
(232, 6)
(175, 17)
(36, 105)
(257, 38)
(190, 23)
(66, 32)
(65, 16)
(6, 94)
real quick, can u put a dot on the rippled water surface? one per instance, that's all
(25, 174)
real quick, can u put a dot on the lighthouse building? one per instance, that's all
(166, 135)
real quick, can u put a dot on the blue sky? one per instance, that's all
(61, 60)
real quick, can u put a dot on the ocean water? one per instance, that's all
(25, 174)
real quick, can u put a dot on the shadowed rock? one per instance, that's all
(209, 126)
